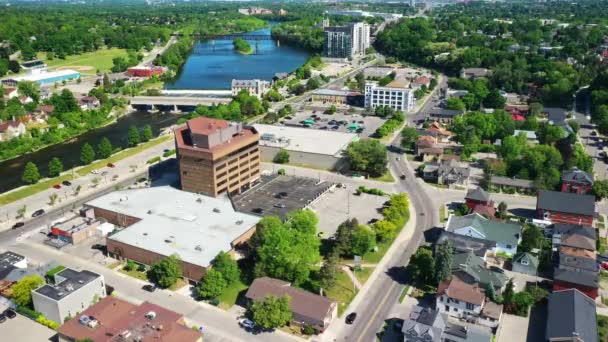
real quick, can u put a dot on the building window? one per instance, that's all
(470, 306)
(184, 173)
(509, 246)
(447, 308)
(455, 309)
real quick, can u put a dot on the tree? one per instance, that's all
(494, 100)
(331, 110)
(409, 135)
(133, 138)
(490, 291)
(282, 157)
(107, 84)
(271, 313)
(55, 167)
(344, 236)
(455, 103)
(166, 271)
(29, 89)
(146, 134)
(502, 210)
(22, 290)
(212, 285)
(384, 229)
(422, 266)
(368, 156)
(30, 173)
(443, 261)
(104, 149)
(227, 267)
(304, 220)
(87, 154)
(532, 237)
(600, 188)
(21, 211)
(53, 198)
(362, 240)
(507, 294)
(329, 271)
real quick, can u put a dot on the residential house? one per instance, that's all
(307, 307)
(487, 211)
(11, 129)
(573, 235)
(421, 81)
(474, 73)
(429, 325)
(25, 100)
(571, 317)
(585, 281)
(88, 103)
(459, 299)
(575, 259)
(517, 109)
(530, 136)
(430, 154)
(443, 115)
(522, 185)
(450, 172)
(526, 263)
(9, 92)
(577, 181)
(113, 319)
(442, 134)
(565, 207)
(472, 270)
(506, 235)
(476, 197)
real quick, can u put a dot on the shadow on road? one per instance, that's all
(399, 274)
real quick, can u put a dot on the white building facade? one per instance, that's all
(397, 98)
(257, 88)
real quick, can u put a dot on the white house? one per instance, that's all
(506, 235)
(459, 299)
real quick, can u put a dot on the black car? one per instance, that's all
(258, 210)
(350, 318)
(149, 288)
(2, 318)
(66, 183)
(38, 213)
(18, 225)
(10, 313)
(402, 177)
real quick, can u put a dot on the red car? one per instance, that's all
(605, 265)
(57, 186)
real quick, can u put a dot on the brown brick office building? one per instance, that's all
(216, 156)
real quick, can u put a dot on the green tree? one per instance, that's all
(133, 137)
(55, 167)
(384, 229)
(146, 134)
(368, 156)
(304, 220)
(532, 237)
(271, 313)
(443, 261)
(600, 188)
(29, 89)
(344, 236)
(507, 294)
(362, 240)
(422, 266)
(227, 267)
(212, 285)
(455, 103)
(409, 135)
(502, 210)
(331, 110)
(494, 100)
(31, 175)
(22, 290)
(166, 271)
(105, 148)
(87, 154)
(329, 271)
(282, 157)
(490, 291)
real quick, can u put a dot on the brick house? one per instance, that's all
(577, 181)
(565, 207)
(585, 281)
(476, 197)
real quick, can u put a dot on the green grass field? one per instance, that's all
(343, 292)
(100, 59)
(230, 295)
(33, 189)
(363, 274)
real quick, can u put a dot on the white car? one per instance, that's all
(95, 172)
(246, 323)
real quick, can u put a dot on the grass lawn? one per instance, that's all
(100, 59)
(386, 177)
(33, 189)
(343, 292)
(114, 265)
(602, 327)
(178, 284)
(363, 274)
(135, 274)
(230, 295)
(404, 293)
(122, 155)
(603, 246)
(443, 215)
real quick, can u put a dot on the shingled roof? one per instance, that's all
(478, 194)
(571, 312)
(566, 202)
(577, 176)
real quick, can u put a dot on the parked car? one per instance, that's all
(95, 172)
(66, 183)
(57, 186)
(350, 318)
(38, 213)
(280, 205)
(2, 318)
(149, 288)
(402, 177)
(247, 323)
(10, 313)
(18, 225)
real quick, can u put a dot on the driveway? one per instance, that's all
(513, 329)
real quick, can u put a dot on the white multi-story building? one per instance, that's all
(360, 35)
(394, 95)
(346, 41)
(257, 88)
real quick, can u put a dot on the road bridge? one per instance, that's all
(175, 103)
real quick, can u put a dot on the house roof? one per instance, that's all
(492, 310)
(5, 125)
(439, 112)
(485, 210)
(506, 181)
(425, 141)
(578, 241)
(566, 202)
(478, 194)
(458, 289)
(302, 302)
(475, 267)
(478, 72)
(501, 232)
(423, 80)
(555, 114)
(532, 259)
(577, 176)
(438, 129)
(569, 312)
(463, 243)
(580, 277)
(424, 324)
(452, 166)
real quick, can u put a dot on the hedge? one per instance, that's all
(169, 153)
(24, 310)
(153, 160)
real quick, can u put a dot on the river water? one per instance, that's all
(210, 66)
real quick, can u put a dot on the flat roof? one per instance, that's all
(72, 282)
(195, 227)
(34, 77)
(74, 224)
(305, 139)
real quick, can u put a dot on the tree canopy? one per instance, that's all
(166, 271)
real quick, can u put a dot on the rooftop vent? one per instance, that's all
(168, 241)
(151, 315)
(150, 212)
(145, 234)
(198, 248)
(239, 222)
(80, 281)
(60, 294)
(216, 210)
(69, 287)
(199, 200)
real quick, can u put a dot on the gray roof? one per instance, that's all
(577, 176)
(508, 233)
(478, 194)
(8, 260)
(66, 282)
(580, 277)
(518, 183)
(570, 229)
(425, 324)
(571, 312)
(532, 260)
(475, 267)
(576, 262)
(193, 226)
(439, 112)
(463, 243)
(453, 167)
(555, 114)
(468, 333)
(566, 202)
(529, 134)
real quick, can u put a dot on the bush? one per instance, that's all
(281, 171)
(169, 153)
(307, 329)
(282, 157)
(153, 160)
(51, 273)
(371, 191)
(130, 266)
(24, 310)
(47, 322)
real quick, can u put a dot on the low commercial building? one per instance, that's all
(344, 97)
(307, 307)
(444, 115)
(70, 293)
(10, 261)
(474, 73)
(43, 78)
(257, 88)
(318, 148)
(512, 183)
(113, 319)
(76, 229)
(146, 71)
(163, 221)
(394, 95)
(565, 207)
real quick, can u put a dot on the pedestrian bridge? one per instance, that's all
(175, 103)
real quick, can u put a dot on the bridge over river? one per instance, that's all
(175, 103)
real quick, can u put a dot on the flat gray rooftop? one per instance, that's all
(195, 227)
(276, 191)
(305, 139)
(71, 282)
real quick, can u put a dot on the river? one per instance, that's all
(213, 65)
(210, 66)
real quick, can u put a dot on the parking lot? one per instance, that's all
(338, 122)
(23, 329)
(340, 204)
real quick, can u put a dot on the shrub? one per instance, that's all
(130, 266)
(281, 172)
(169, 153)
(371, 191)
(307, 329)
(24, 310)
(282, 157)
(47, 322)
(153, 160)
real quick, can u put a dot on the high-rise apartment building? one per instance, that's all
(346, 41)
(216, 156)
(394, 95)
